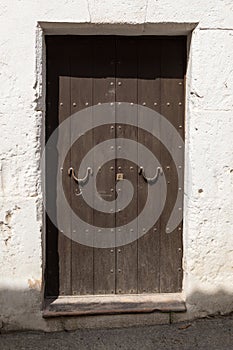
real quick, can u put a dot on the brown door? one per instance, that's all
(91, 71)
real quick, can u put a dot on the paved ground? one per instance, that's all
(208, 334)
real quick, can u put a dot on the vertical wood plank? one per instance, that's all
(81, 94)
(126, 91)
(104, 92)
(149, 96)
(64, 243)
(172, 101)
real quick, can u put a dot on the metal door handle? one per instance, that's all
(82, 180)
(150, 179)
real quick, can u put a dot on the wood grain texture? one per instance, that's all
(172, 94)
(149, 95)
(126, 91)
(64, 243)
(90, 70)
(81, 94)
(110, 304)
(104, 91)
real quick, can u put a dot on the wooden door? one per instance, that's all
(91, 70)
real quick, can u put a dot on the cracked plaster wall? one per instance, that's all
(208, 229)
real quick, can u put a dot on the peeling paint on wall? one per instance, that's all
(208, 236)
(34, 284)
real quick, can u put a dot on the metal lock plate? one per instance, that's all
(120, 176)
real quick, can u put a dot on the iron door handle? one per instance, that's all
(83, 180)
(150, 179)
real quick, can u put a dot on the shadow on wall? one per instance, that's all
(22, 310)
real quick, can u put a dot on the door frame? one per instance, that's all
(72, 305)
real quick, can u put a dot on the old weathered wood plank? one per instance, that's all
(104, 92)
(148, 71)
(81, 94)
(113, 304)
(172, 101)
(126, 91)
(148, 96)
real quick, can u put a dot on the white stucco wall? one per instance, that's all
(208, 226)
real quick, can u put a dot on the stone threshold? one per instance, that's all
(113, 304)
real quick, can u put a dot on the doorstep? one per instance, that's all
(113, 304)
